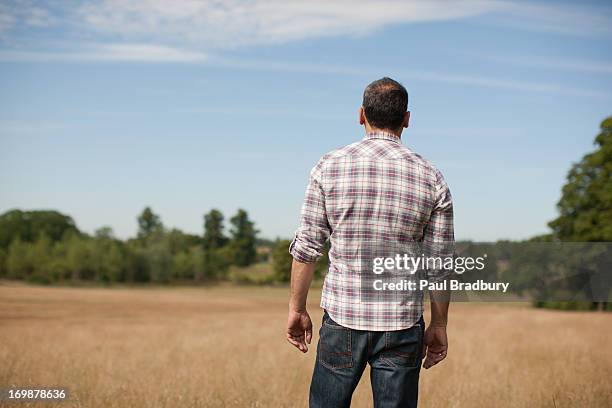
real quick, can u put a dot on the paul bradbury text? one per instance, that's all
(451, 284)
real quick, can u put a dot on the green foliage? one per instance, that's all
(182, 266)
(586, 203)
(41, 257)
(107, 257)
(213, 230)
(586, 207)
(29, 225)
(216, 262)
(148, 223)
(3, 257)
(282, 260)
(138, 264)
(78, 258)
(243, 239)
(179, 242)
(159, 262)
(19, 262)
(60, 253)
(264, 242)
(196, 254)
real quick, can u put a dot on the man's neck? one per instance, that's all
(396, 133)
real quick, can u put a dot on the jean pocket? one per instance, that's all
(335, 345)
(403, 348)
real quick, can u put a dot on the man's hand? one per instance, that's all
(299, 329)
(299, 325)
(435, 345)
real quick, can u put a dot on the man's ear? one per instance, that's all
(362, 118)
(406, 119)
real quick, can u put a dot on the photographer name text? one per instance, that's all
(451, 284)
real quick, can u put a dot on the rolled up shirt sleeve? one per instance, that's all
(314, 229)
(439, 233)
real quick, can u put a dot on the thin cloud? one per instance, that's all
(550, 63)
(205, 26)
(190, 31)
(509, 84)
(162, 54)
(25, 14)
(426, 76)
(236, 23)
(111, 53)
(146, 52)
(7, 21)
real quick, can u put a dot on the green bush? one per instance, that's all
(281, 261)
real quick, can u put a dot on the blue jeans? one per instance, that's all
(342, 354)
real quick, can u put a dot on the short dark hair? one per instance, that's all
(385, 101)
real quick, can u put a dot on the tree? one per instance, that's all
(137, 263)
(213, 230)
(182, 266)
(28, 225)
(198, 263)
(216, 262)
(19, 263)
(78, 258)
(104, 232)
(179, 242)
(159, 262)
(107, 259)
(586, 209)
(3, 256)
(586, 203)
(243, 239)
(59, 252)
(59, 269)
(282, 260)
(42, 258)
(148, 223)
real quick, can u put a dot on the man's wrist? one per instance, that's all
(438, 324)
(297, 308)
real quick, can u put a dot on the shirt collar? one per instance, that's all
(382, 135)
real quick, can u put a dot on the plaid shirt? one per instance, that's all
(373, 190)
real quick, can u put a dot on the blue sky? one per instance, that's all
(109, 106)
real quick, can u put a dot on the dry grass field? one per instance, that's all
(225, 347)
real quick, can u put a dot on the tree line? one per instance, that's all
(47, 247)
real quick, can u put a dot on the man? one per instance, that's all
(373, 190)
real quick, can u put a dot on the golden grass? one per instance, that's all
(225, 347)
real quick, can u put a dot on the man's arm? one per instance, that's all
(435, 342)
(299, 325)
(306, 248)
(439, 240)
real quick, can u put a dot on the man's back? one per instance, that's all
(375, 190)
